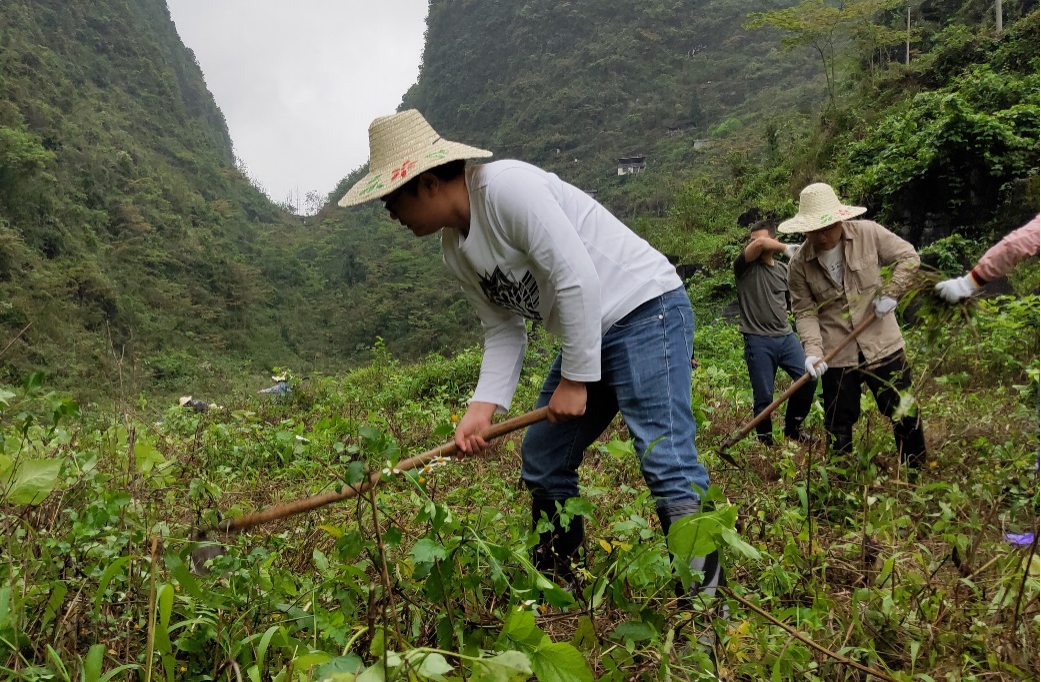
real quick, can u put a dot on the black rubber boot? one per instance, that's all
(793, 431)
(910, 443)
(764, 431)
(557, 549)
(841, 440)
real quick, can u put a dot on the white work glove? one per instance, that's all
(815, 366)
(884, 305)
(954, 290)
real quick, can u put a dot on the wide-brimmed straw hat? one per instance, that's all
(401, 146)
(819, 208)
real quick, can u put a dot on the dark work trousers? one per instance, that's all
(887, 380)
(763, 355)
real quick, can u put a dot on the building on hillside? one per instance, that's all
(627, 165)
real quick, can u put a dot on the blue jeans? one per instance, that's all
(763, 355)
(645, 374)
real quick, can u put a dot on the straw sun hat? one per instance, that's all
(401, 146)
(819, 208)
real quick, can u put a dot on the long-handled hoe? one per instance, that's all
(796, 385)
(305, 504)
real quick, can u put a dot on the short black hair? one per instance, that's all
(445, 172)
(768, 225)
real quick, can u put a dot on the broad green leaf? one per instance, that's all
(636, 631)
(426, 551)
(334, 531)
(374, 673)
(5, 396)
(554, 593)
(92, 663)
(620, 449)
(321, 562)
(578, 505)
(585, 634)
(348, 666)
(560, 662)
(434, 667)
(319, 658)
(691, 536)
(520, 629)
(33, 481)
(509, 666)
(146, 457)
(378, 643)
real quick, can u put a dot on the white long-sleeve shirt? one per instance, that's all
(541, 249)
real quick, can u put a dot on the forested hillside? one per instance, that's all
(573, 86)
(141, 257)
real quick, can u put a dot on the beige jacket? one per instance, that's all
(826, 312)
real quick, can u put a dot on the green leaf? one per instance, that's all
(520, 630)
(165, 601)
(735, 541)
(620, 449)
(585, 635)
(146, 457)
(374, 673)
(5, 396)
(183, 576)
(378, 644)
(356, 473)
(434, 667)
(93, 662)
(34, 480)
(691, 536)
(554, 593)
(509, 666)
(576, 506)
(349, 665)
(426, 551)
(115, 671)
(321, 562)
(5, 607)
(265, 642)
(106, 577)
(560, 662)
(54, 603)
(34, 381)
(636, 631)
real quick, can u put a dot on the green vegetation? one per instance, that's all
(431, 576)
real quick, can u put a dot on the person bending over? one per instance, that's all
(524, 245)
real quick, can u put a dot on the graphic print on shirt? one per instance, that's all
(503, 290)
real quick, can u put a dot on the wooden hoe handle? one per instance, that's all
(306, 504)
(796, 385)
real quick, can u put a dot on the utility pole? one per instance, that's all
(997, 16)
(907, 51)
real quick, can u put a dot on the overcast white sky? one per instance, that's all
(299, 81)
